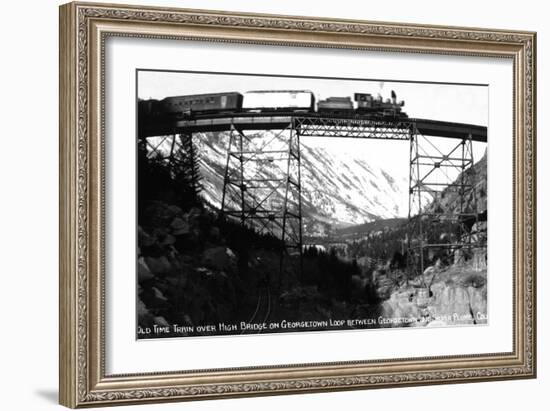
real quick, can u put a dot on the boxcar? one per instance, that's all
(203, 103)
(279, 100)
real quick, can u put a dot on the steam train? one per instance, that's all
(274, 101)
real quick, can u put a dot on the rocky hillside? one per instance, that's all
(195, 269)
(450, 200)
(457, 296)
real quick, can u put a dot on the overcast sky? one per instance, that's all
(445, 102)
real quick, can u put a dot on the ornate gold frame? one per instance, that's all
(83, 30)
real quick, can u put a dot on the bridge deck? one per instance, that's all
(314, 124)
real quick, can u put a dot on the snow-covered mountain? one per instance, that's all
(338, 189)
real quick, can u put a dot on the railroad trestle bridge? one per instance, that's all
(274, 205)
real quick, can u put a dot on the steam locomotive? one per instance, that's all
(274, 101)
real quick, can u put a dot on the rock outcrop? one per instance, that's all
(457, 295)
(185, 277)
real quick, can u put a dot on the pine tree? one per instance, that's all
(185, 166)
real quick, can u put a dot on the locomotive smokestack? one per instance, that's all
(393, 97)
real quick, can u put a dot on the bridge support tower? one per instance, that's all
(444, 220)
(261, 190)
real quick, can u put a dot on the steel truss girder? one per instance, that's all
(353, 128)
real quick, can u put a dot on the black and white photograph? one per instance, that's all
(276, 204)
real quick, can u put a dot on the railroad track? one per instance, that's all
(262, 310)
